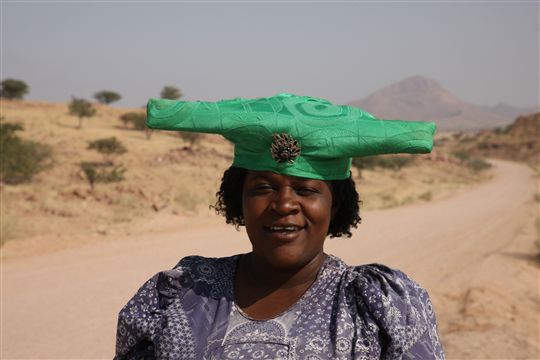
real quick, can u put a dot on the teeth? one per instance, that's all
(284, 228)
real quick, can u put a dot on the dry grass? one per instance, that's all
(163, 176)
(425, 180)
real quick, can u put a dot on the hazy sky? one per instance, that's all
(483, 52)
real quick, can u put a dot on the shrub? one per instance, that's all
(108, 147)
(20, 159)
(478, 165)
(461, 155)
(171, 93)
(386, 162)
(366, 162)
(439, 142)
(457, 135)
(101, 173)
(128, 118)
(395, 162)
(7, 131)
(191, 138)
(466, 139)
(112, 175)
(81, 108)
(426, 196)
(13, 89)
(104, 172)
(107, 97)
(90, 172)
(138, 121)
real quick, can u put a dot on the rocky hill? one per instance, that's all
(519, 141)
(421, 98)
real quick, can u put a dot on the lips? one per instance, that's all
(284, 228)
(286, 231)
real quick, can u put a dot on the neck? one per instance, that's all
(261, 274)
(263, 291)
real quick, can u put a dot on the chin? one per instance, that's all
(286, 258)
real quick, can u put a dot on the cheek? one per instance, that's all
(321, 214)
(251, 209)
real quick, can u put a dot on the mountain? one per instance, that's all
(424, 99)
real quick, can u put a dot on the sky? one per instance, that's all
(482, 52)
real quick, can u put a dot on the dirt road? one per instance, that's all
(474, 252)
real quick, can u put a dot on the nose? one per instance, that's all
(285, 202)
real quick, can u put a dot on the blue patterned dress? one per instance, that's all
(364, 312)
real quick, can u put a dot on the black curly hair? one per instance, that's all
(229, 202)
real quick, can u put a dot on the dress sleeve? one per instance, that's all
(137, 324)
(402, 311)
(142, 319)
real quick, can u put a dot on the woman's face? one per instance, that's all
(286, 217)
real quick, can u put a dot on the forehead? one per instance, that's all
(272, 176)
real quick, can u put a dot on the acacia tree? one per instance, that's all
(108, 147)
(20, 159)
(107, 171)
(107, 97)
(171, 93)
(81, 108)
(191, 138)
(138, 121)
(13, 89)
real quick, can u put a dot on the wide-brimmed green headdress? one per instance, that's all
(293, 135)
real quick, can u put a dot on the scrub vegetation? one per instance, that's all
(82, 109)
(394, 162)
(89, 190)
(13, 89)
(517, 142)
(107, 96)
(191, 138)
(106, 171)
(137, 121)
(171, 93)
(20, 159)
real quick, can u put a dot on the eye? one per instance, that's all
(262, 188)
(306, 191)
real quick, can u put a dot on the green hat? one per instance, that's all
(293, 135)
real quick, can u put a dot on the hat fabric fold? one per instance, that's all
(293, 135)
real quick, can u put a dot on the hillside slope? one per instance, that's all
(164, 176)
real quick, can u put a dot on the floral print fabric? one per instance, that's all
(365, 312)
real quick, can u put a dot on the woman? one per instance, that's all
(290, 186)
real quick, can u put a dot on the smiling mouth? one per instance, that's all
(288, 228)
(284, 231)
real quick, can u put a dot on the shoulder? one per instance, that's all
(210, 277)
(204, 265)
(189, 272)
(386, 292)
(140, 320)
(400, 308)
(375, 283)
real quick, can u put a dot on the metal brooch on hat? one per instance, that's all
(284, 148)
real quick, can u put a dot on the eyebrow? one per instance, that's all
(260, 175)
(269, 175)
